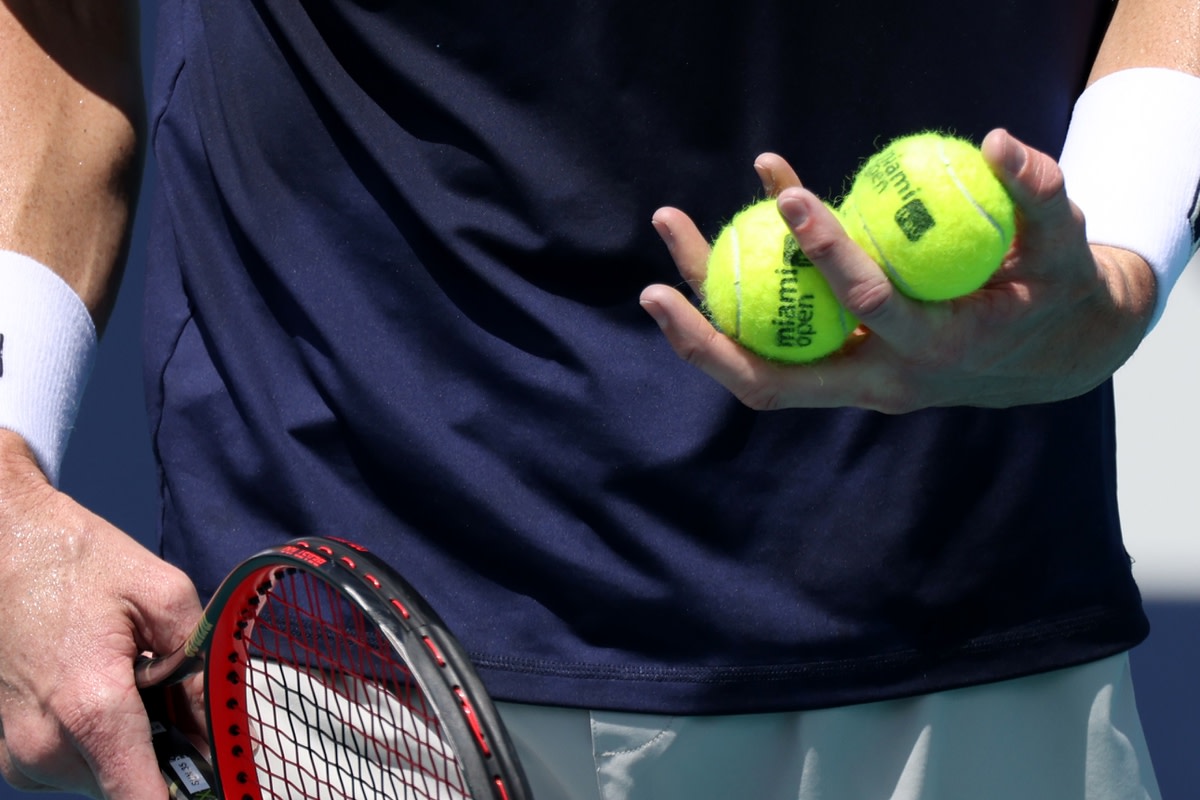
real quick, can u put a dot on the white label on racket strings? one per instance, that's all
(188, 774)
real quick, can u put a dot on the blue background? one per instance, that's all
(109, 469)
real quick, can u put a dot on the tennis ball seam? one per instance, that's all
(737, 281)
(879, 254)
(966, 192)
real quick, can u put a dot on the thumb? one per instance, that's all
(1035, 183)
(164, 606)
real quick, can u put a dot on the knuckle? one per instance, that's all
(944, 351)
(759, 397)
(893, 390)
(820, 244)
(162, 603)
(178, 591)
(892, 397)
(85, 713)
(868, 299)
(695, 351)
(28, 745)
(899, 399)
(1047, 177)
(33, 746)
(58, 751)
(897, 403)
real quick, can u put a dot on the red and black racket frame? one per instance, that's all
(433, 655)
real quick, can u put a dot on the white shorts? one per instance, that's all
(1072, 734)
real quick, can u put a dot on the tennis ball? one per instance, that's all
(931, 212)
(763, 292)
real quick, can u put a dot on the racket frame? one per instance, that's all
(438, 663)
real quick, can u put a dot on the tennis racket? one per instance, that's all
(327, 676)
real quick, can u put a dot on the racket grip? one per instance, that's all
(187, 773)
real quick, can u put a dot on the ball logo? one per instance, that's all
(914, 219)
(888, 174)
(793, 256)
(794, 317)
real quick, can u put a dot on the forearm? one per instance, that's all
(70, 154)
(1151, 33)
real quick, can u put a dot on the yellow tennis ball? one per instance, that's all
(763, 292)
(931, 212)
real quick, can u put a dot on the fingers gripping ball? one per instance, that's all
(763, 292)
(931, 212)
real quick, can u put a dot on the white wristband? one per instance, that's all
(1131, 162)
(47, 345)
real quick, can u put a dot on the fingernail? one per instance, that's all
(653, 308)
(766, 177)
(664, 230)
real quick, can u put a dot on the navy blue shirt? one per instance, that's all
(393, 296)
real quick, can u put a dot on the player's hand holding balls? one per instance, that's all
(995, 326)
(927, 208)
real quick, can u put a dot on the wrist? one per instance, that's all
(46, 352)
(1131, 164)
(20, 474)
(1132, 288)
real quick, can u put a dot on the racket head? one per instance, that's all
(327, 675)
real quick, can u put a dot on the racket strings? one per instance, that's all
(334, 709)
